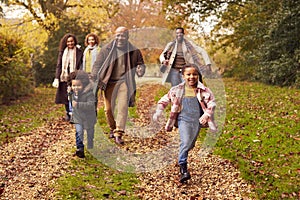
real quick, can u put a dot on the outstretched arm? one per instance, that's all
(162, 55)
(161, 105)
(141, 67)
(203, 53)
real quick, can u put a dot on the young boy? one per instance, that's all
(84, 110)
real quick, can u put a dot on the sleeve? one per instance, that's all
(89, 104)
(162, 55)
(97, 64)
(59, 65)
(210, 102)
(163, 102)
(80, 57)
(140, 59)
(139, 62)
(203, 53)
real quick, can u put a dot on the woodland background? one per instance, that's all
(254, 41)
(251, 40)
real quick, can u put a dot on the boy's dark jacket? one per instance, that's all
(85, 111)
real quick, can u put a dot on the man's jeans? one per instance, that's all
(175, 77)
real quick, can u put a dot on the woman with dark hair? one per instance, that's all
(69, 60)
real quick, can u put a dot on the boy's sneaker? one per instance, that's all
(80, 153)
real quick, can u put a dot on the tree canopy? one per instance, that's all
(265, 32)
(261, 34)
(48, 13)
(16, 77)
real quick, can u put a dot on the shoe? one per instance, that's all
(184, 177)
(119, 140)
(80, 153)
(111, 134)
(185, 174)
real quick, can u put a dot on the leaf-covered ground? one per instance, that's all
(212, 176)
(31, 163)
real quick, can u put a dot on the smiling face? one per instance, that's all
(179, 34)
(122, 36)
(70, 42)
(91, 41)
(191, 76)
(77, 86)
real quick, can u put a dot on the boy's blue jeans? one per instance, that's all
(79, 137)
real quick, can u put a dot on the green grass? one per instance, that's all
(89, 179)
(161, 92)
(261, 135)
(24, 115)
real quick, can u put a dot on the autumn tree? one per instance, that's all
(263, 32)
(138, 14)
(48, 13)
(279, 55)
(58, 17)
(144, 19)
(16, 76)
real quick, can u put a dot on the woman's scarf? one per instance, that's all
(68, 63)
(93, 53)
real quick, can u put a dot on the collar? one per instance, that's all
(199, 85)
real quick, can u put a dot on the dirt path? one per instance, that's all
(31, 163)
(212, 176)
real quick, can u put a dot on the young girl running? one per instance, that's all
(192, 104)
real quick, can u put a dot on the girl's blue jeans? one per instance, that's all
(188, 136)
(189, 127)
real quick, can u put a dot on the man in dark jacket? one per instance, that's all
(114, 72)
